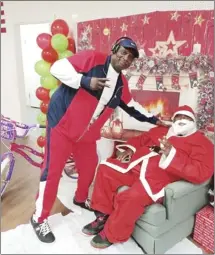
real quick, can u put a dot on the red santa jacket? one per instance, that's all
(190, 159)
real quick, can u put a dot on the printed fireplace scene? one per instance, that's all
(162, 104)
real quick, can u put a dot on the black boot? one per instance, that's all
(84, 205)
(43, 231)
(100, 241)
(96, 226)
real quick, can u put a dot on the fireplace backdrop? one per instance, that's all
(166, 40)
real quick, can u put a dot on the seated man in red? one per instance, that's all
(150, 162)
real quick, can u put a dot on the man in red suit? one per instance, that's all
(148, 163)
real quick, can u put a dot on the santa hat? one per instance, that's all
(185, 110)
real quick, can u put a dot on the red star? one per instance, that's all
(157, 51)
(170, 46)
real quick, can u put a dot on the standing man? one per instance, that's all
(92, 87)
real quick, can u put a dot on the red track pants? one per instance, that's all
(57, 151)
(125, 207)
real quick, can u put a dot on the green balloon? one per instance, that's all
(51, 92)
(41, 118)
(48, 82)
(43, 132)
(59, 42)
(42, 67)
(65, 54)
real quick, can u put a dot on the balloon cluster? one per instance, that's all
(56, 45)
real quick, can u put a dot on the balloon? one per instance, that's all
(65, 54)
(41, 118)
(42, 94)
(42, 67)
(49, 55)
(44, 40)
(41, 141)
(48, 82)
(71, 45)
(43, 132)
(59, 42)
(44, 107)
(51, 92)
(59, 26)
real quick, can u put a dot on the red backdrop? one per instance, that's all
(164, 32)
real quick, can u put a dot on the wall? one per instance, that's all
(20, 12)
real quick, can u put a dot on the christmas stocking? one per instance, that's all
(159, 82)
(193, 79)
(175, 81)
(141, 81)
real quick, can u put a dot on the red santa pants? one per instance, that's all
(125, 207)
(57, 151)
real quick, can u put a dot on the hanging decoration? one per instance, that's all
(160, 66)
(57, 45)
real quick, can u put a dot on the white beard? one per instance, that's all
(188, 127)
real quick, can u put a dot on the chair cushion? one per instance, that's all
(154, 214)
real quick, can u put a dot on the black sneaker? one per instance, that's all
(43, 231)
(84, 205)
(100, 241)
(96, 226)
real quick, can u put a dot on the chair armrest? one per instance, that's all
(183, 199)
(182, 188)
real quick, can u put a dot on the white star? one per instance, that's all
(89, 29)
(157, 50)
(170, 46)
(124, 27)
(175, 16)
(145, 20)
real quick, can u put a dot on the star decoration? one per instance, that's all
(157, 51)
(106, 31)
(175, 16)
(169, 47)
(199, 20)
(124, 27)
(89, 29)
(145, 20)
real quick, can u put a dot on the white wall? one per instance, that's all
(20, 12)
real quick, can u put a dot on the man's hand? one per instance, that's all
(125, 154)
(166, 146)
(98, 83)
(161, 123)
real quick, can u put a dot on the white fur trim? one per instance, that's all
(131, 165)
(165, 161)
(125, 145)
(156, 196)
(64, 71)
(144, 160)
(187, 113)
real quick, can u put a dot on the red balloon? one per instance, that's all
(41, 141)
(49, 55)
(44, 40)
(42, 94)
(71, 45)
(44, 106)
(59, 26)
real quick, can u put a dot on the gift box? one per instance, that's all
(204, 228)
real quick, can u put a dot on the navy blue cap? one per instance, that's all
(127, 43)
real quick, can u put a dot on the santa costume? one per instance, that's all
(147, 174)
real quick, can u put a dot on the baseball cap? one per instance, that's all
(130, 44)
